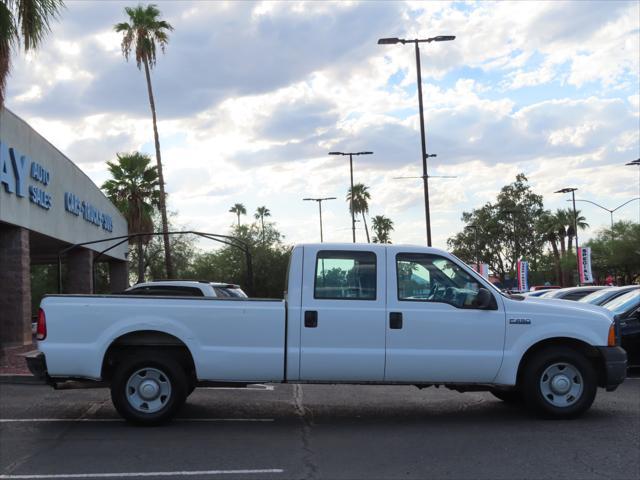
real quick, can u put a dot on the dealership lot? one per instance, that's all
(313, 431)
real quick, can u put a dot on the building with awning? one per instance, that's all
(47, 203)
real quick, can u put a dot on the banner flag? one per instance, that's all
(584, 261)
(482, 269)
(523, 276)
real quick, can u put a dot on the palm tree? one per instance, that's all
(547, 227)
(238, 209)
(23, 23)
(141, 34)
(361, 197)
(580, 222)
(133, 188)
(262, 212)
(561, 220)
(382, 226)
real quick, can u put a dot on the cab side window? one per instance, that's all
(432, 278)
(345, 275)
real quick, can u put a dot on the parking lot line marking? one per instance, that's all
(35, 420)
(146, 474)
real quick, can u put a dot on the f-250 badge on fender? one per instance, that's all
(520, 321)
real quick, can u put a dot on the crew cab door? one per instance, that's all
(343, 314)
(434, 331)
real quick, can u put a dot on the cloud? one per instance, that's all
(251, 97)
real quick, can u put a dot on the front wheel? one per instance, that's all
(559, 382)
(148, 388)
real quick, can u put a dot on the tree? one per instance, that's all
(23, 23)
(616, 252)
(574, 220)
(262, 212)
(133, 188)
(506, 230)
(238, 209)
(547, 227)
(270, 258)
(382, 227)
(361, 197)
(183, 247)
(142, 34)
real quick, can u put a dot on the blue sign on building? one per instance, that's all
(14, 170)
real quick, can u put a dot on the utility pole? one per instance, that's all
(423, 141)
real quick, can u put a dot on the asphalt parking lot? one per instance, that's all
(312, 432)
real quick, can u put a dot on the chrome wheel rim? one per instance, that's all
(148, 390)
(561, 384)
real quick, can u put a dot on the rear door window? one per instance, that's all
(345, 275)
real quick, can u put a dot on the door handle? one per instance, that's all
(395, 320)
(311, 319)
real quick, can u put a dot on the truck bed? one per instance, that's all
(230, 339)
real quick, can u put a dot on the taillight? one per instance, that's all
(41, 331)
(612, 340)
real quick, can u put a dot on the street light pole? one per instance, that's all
(636, 163)
(423, 141)
(425, 177)
(353, 216)
(575, 224)
(610, 210)
(320, 200)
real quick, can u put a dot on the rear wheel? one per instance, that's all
(559, 382)
(148, 388)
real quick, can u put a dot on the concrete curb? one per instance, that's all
(20, 379)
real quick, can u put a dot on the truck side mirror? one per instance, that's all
(484, 299)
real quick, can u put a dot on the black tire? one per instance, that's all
(170, 371)
(511, 396)
(533, 378)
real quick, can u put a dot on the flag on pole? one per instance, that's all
(584, 261)
(482, 269)
(523, 276)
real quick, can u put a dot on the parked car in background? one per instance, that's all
(626, 307)
(186, 288)
(600, 297)
(572, 293)
(535, 293)
(544, 287)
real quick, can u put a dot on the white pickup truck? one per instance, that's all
(352, 313)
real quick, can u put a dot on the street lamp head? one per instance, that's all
(388, 41)
(336, 153)
(444, 38)
(363, 153)
(634, 162)
(566, 190)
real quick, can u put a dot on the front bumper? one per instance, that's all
(615, 366)
(37, 364)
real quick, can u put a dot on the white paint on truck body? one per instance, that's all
(244, 340)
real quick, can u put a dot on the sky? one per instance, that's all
(251, 96)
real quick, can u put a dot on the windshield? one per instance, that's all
(549, 294)
(595, 298)
(624, 302)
